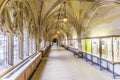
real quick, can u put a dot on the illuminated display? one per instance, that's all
(107, 48)
(116, 49)
(83, 44)
(95, 47)
(88, 44)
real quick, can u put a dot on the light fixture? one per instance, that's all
(58, 32)
(65, 19)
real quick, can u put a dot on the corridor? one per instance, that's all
(62, 65)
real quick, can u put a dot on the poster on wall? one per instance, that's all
(95, 47)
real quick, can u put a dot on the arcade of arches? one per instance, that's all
(28, 26)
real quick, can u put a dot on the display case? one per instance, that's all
(105, 49)
(88, 46)
(66, 42)
(95, 47)
(76, 43)
(73, 43)
(106, 45)
(116, 49)
(83, 45)
(70, 43)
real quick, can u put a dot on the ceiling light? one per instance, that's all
(65, 19)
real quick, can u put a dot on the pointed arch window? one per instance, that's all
(3, 48)
(25, 43)
(32, 45)
(16, 49)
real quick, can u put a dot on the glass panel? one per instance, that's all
(88, 45)
(30, 46)
(71, 43)
(83, 44)
(116, 49)
(16, 50)
(74, 43)
(66, 42)
(3, 49)
(34, 45)
(26, 43)
(95, 47)
(107, 48)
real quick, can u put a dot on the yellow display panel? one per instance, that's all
(88, 45)
(83, 44)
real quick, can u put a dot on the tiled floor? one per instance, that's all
(62, 65)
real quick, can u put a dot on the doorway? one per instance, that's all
(55, 41)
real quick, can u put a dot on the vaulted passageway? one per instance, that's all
(88, 27)
(62, 65)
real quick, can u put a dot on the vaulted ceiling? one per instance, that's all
(43, 18)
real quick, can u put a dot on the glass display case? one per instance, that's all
(66, 42)
(76, 43)
(106, 45)
(95, 47)
(103, 51)
(73, 43)
(116, 49)
(88, 45)
(83, 45)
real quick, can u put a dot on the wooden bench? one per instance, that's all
(76, 52)
(45, 50)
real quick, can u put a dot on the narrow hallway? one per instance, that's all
(62, 65)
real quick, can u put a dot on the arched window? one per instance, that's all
(16, 49)
(32, 45)
(3, 49)
(26, 43)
